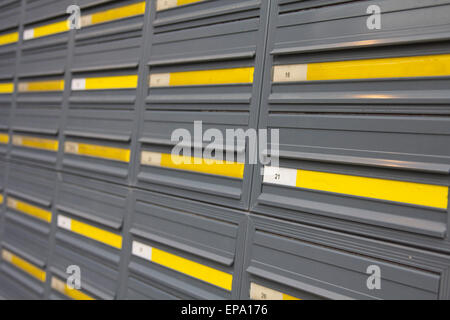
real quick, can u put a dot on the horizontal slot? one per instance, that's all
(226, 261)
(94, 218)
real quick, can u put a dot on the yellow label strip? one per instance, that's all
(114, 14)
(89, 231)
(190, 268)
(4, 138)
(29, 209)
(390, 190)
(36, 143)
(202, 77)
(63, 288)
(46, 30)
(1, 198)
(6, 88)
(105, 83)
(258, 292)
(168, 4)
(23, 265)
(401, 67)
(9, 38)
(97, 151)
(194, 164)
(36, 86)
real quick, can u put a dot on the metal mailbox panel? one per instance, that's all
(101, 202)
(110, 37)
(37, 10)
(31, 183)
(100, 122)
(216, 182)
(3, 168)
(181, 249)
(204, 65)
(20, 278)
(44, 49)
(8, 46)
(344, 25)
(28, 199)
(361, 150)
(289, 261)
(36, 120)
(6, 90)
(38, 107)
(11, 289)
(9, 14)
(90, 220)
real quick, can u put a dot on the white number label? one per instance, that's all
(141, 250)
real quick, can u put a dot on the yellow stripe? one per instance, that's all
(36, 143)
(193, 269)
(114, 14)
(29, 209)
(288, 297)
(4, 138)
(97, 151)
(97, 234)
(50, 29)
(203, 77)
(184, 2)
(9, 38)
(119, 82)
(194, 164)
(24, 265)
(63, 288)
(55, 85)
(167, 4)
(6, 88)
(421, 66)
(390, 190)
(1, 198)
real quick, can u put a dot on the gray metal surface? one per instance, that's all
(394, 129)
(95, 204)
(208, 236)
(141, 231)
(207, 35)
(311, 263)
